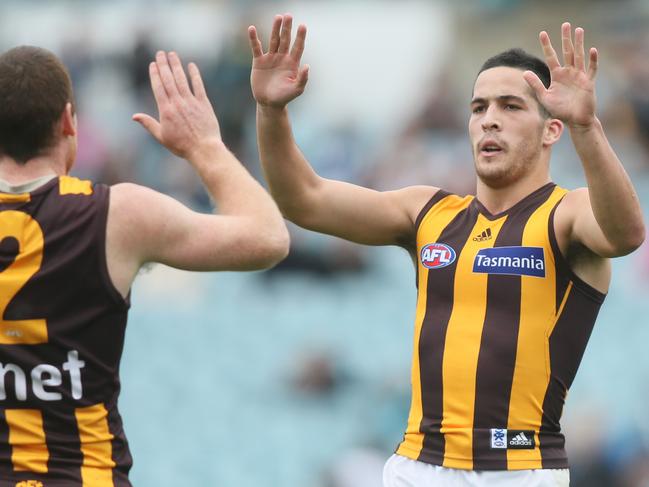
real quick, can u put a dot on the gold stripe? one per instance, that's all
(70, 185)
(443, 213)
(95, 437)
(15, 198)
(538, 313)
(31, 241)
(462, 347)
(27, 439)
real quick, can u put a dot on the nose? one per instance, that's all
(490, 119)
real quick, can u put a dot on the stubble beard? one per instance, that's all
(512, 166)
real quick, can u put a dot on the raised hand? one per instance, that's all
(277, 77)
(187, 120)
(571, 95)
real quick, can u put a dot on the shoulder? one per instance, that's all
(415, 199)
(129, 201)
(574, 198)
(124, 193)
(567, 210)
(136, 211)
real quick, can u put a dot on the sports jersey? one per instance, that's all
(62, 325)
(501, 326)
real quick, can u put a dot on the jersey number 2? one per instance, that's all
(29, 235)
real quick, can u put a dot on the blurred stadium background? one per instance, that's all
(299, 377)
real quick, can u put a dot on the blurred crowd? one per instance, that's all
(431, 147)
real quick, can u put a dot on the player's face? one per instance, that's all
(505, 127)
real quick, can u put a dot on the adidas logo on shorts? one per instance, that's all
(512, 439)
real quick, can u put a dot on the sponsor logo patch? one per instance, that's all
(437, 255)
(29, 483)
(498, 438)
(517, 261)
(512, 439)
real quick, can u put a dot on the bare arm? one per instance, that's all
(337, 208)
(605, 218)
(146, 226)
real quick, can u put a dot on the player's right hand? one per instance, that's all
(277, 77)
(188, 124)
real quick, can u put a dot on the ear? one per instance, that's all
(68, 121)
(552, 131)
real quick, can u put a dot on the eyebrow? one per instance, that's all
(501, 98)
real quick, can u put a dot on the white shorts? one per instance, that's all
(400, 471)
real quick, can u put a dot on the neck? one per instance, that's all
(497, 200)
(14, 173)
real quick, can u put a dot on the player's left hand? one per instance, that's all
(571, 95)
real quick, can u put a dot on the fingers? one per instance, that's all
(149, 123)
(535, 83)
(285, 36)
(166, 75)
(280, 38)
(197, 82)
(298, 45)
(168, 78)
(255, 43)
(592, 63)
(179, 74)
(566, 45)
(579, 49)
(551, 58)
(274, 34)
(159, 92)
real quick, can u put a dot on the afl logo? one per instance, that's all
(437, 255)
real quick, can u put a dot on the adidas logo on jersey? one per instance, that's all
(520, 440)
(486, 235)
(502, 438)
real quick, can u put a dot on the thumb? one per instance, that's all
(302, 77)
(535, 83)
(149, 123)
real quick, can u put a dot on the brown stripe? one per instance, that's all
(561, 283)
(497, 358)
(121, 453)
(5, 449)
(412, 248)
(65, 455)
(563, 267)
(440, 289)
(567, 346)
(562, 280)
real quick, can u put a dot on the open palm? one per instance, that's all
(277, 77)
(571, 94)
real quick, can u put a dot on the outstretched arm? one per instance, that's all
(333, 207)
(606, 217)
(146, 226)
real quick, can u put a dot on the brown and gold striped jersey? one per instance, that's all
(501, 326)
(62, 326)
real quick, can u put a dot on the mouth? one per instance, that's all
(490, 148)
